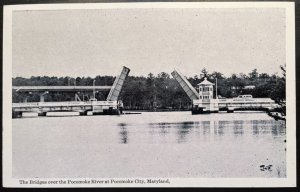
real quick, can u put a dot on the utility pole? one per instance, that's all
(216, 88)
(94, 93)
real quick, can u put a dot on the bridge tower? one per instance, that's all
(206, 102)
(206, 90)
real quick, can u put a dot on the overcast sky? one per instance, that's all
(99, 42)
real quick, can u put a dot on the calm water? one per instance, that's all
(162, 144)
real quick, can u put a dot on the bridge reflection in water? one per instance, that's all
(191, 131)
(123, 133)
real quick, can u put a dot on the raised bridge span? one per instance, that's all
(185, 85)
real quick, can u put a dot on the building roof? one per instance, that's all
(205, 82)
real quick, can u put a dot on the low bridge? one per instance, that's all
(231, 105)
(41, 108)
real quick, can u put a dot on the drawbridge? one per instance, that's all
(203, 101)
(110, 106)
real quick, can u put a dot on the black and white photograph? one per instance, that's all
(149, 95)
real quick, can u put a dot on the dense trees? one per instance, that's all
(161, 91)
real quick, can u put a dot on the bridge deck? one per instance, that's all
(107, 107)
(42, 108)
(234, 104)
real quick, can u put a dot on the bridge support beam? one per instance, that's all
(42, 96)
(77, 98)
(25, 99)
(25, 96)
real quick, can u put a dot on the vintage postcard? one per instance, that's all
(149, 95)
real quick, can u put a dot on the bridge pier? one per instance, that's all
(230, 110)
(42, 114)
(16, 114)
(83, 113)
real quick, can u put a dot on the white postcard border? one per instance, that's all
(289, 181)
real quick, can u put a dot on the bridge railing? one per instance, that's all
(247, 100)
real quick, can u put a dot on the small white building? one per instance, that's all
(206, 102)
(206, 89)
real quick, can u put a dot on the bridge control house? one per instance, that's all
(205, 90)
(206, 101)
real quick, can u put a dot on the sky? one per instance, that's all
(99, 42)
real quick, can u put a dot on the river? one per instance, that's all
(151, 144)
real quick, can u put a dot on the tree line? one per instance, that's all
(160, 91)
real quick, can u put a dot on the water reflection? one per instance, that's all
(164, 127)
(184, 129)
(267, 127)
(238, 128)
(254, 124)
(221, 126)
(275, 131)
(206, 127)
(278, 130)
(192, 131)
(123, 133)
